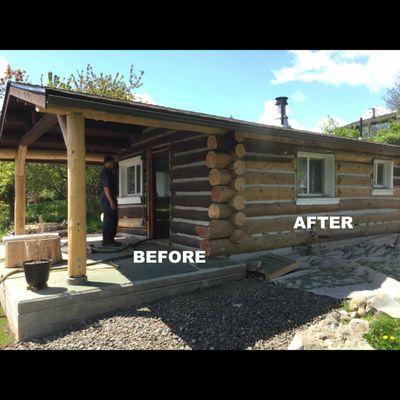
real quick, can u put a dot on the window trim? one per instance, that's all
(328, 195)
(386, 190)
(125, 198)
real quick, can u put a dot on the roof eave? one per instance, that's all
(4, 107)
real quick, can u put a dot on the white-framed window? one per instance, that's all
(383, 177)
(130, 180)
(315, 180)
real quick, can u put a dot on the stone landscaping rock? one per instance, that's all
(357, 302)
(353, 314)
(329, 334)
(361, 312)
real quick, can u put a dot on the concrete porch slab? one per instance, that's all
(111, 285)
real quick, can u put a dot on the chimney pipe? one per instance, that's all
(281, 103)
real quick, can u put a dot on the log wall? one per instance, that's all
(270, 199)
(237, 193)
(189, 186)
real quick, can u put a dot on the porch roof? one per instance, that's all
(114, 125)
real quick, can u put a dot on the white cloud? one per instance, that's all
(375, 69)
(297, 97)
(379, 110)
(144, 98)
(270, 116)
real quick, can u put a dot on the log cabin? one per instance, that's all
(218, 184)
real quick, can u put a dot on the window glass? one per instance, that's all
(138, 182)
(380, 174)
(316, 176)
(302, 175)
(131, 180)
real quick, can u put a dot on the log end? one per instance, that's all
(240, 150)
(238, 167)
(238, 218)
(239, 136)
(211, 159)
(212, 142)
(205, 246)
(238, 184)
(237, 202)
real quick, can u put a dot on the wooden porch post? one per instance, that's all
(76, 199)
(20, 195)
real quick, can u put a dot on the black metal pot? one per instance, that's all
(37, 273)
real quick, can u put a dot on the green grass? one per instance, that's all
(345, 305)
(384, 332)
(6, 337)
(94, 224)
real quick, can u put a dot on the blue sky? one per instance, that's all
(342, 84)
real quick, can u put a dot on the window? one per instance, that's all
(383, 177)
(130, 180)
(315, 178)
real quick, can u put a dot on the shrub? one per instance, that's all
(390, 135)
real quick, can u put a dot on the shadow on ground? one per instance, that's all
(232, 316)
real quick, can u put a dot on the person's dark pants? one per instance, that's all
(110, 222)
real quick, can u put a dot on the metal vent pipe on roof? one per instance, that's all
(281, 103)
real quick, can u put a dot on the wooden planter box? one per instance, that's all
(20, 248)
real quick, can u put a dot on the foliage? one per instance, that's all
(5, 219)
(46, 184)
(90, 82)
(57, 211)
(331, 127)
(384, 333)
(11, 75)
(392, 96)
(390, 135)
(6, 196)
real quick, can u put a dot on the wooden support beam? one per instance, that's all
(42, 126)
(47, 155)
(62, 121)
(132, 119)
(76, 198)
(20, 195)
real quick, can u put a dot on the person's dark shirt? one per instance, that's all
(108, 178)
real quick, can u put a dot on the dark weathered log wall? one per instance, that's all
(189, 186)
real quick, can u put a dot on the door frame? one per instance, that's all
(150, 184)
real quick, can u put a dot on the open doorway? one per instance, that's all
(159, 194)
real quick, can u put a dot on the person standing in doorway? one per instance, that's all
(108, 183)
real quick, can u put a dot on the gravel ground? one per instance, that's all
(246, 314)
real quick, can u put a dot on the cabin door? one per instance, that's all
(159, 193)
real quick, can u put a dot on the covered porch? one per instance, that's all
(50, 125)
(114, 282)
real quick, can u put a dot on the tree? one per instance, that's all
(90, 82)
(392, 96)
(390, 135)
(12, 75)
(331, 127)
(49, 181)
